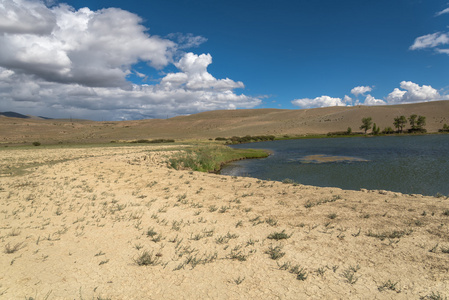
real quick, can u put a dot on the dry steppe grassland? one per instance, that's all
(114, 222)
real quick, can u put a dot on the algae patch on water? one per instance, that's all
(322, 158)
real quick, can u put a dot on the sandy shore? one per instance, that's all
(75, 223)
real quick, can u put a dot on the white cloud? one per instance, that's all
(360, 90)
(322, 101)
(370, 100)
(176, 94)
(433, 40)
(412, 92)
(444, 11)
(443, 51)
(408, 92)
(347, 99)
(186, 41)
(25, 17)
(58, 59)
(194, 75)
(85, 47)
(430, 41)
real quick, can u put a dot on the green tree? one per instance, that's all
(412, 120)
(376, 129)
(387, 130)
(421, 122)
(366, 124)
(399, 123)
(349, 130)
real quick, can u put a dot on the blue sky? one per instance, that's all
(161, 58)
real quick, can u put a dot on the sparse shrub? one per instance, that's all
(151, 232)
(239, 280)
(279, 235)
(332, 216)
(237, 255)
(434, 296)
(301, 274)
(272, 222)
(11, 249)
(288, 181)
(434, 249)
(388, 285)
(395, 234)
(275, 253)
(285, 266)
(146, 258)
(349, 275)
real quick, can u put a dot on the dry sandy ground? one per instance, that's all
(77, 220)
(225, 123)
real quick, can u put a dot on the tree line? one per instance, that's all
(416, 122)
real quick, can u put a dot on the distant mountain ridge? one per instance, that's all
(12, 114)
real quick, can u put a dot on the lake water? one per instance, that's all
(406, 164)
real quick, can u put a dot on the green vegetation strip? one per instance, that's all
(210, 158)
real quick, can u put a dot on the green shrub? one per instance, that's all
(146, 258)
(210, 158)
(279, 236)
(250, 139)
(154, 141)
(36, 144)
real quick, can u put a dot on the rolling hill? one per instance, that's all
(222, 123)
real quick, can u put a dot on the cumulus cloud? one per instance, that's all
(323, 101)
(360, 90)
(83, 47)
(408, 92)
(62, 59)
(347, 99)
(412, 92)
(141, 101)
(29, 17)
(370, 100)
(194, 75)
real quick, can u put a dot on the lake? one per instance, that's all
(406, 164)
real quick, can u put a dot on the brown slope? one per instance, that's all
(223, 123)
